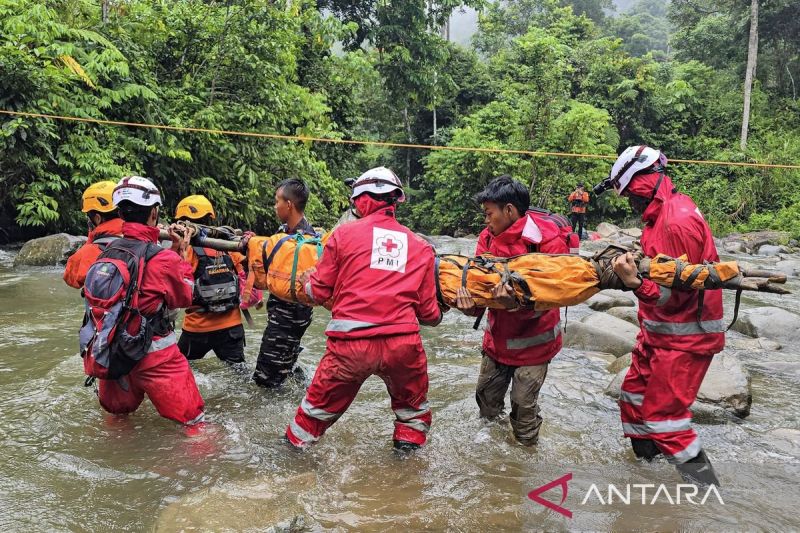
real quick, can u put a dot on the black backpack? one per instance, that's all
(216, 283)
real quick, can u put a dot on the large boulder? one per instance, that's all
(747, 344)
(52, 250)
(611, 298)
(772, 323)
(601, 333)
(628, 314)
(620, 363)
(727, 383)
(606, 229)
(636, 233)
(771, 249)
(790, 267)
(726, 386)
(734, 247)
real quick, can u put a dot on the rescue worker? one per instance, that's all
(380, 275)
(164, 373)
(680, 330)
(213, 322)
(104, 226)
(519, 344)
(578, 201)
(286, 321)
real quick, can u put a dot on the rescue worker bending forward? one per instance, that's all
(680, 330)
(104, 227)
(380, 276)
(286, 321)
(163, 373)
(517, 345)
(213, 322)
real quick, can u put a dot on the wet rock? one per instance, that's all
(771, 249)
(610, 298)
(593, 247)
(726, 387)
(749, 344)
(727, 383)
(636, 233)
(603, 358)
(606, 229)
(773, 323)
(600, 333)
(52, 250)
(620, 364)
(790, 267)
(628, 314)
(734, 247)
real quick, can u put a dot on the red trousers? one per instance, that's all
(399, 360)
(656, 394)
(166, 378)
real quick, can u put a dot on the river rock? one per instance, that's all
(771, 249)
(727, 383)
(628, 314)
(52, 250)
(773, 323)
(606, 229)
(790, 267)
(734, 247)
(603, 333)
(636, 233)
(726, 386)
(610, 298)
(620, 364)
(748, 344)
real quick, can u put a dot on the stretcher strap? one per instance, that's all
(268, 260)
(736, 308)
(301, 240)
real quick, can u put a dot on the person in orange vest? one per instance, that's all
(578, 201)
(213, 321)
(104, 227)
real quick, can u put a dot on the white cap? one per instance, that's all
(378, 180)
(137, 190)
(634, 159)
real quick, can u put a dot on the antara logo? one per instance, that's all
(637, 493)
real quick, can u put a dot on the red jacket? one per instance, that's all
(523, 338)
(78, 263)
(168, 280)
(380, 275)
(675, 226)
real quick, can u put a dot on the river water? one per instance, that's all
(67, 466)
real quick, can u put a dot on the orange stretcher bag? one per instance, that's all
(540, 281)
(277, 262)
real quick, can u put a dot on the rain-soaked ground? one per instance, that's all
(68, 466)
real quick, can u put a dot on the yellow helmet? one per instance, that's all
(98, 197)
(194, 207)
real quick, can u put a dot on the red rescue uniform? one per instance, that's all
(381, 277)
(163, 374)
(678, 337)
(78, 263)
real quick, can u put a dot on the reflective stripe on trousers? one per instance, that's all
(348, 325)
(316, 412)
(162, 342)
(690, 452)
(520, 343)
(301, 433)
(656, 426)
(684, 328)
(631, 398)
(408, 417)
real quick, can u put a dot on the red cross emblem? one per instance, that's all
(389, 244)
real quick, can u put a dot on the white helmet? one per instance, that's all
(634, 159)
(378, 181)
(137, 190)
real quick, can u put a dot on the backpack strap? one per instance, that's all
(104, 239)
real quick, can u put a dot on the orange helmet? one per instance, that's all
(98, 197)
(194, 207)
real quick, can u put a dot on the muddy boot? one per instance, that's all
(404, 447)
(645, 449)
(698, 471)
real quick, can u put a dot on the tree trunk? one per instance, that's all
(408, 150)
(104, 10)
(752, 53)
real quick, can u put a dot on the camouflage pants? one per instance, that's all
(280, 345)
(526, 381)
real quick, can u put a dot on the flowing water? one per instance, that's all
(68, 466)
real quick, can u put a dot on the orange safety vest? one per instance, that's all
(578, 201)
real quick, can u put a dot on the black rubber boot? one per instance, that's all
(698, 471)
(645, 449)
(403, 446)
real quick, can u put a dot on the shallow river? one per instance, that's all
(68, 466)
